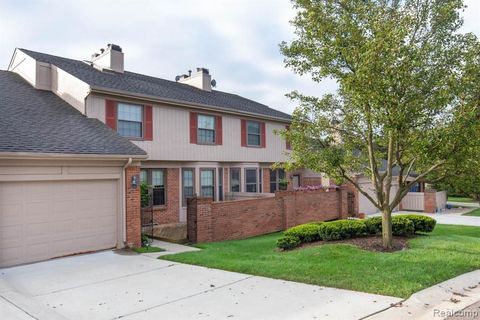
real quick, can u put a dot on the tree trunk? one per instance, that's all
(387, 229)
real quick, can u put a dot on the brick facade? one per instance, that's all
(208, 221)
(133, 207)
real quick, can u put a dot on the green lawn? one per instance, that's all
(460, 199)
(148, 249)
(475, 213)
(447, 252)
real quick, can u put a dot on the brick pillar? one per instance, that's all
(429, 201)
(342, 198)
(266, 180)
(132, 209)
(287, 199)
(192, 220)
(199, 220)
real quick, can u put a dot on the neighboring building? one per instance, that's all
(190, 138)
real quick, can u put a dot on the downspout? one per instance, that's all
(124, 206)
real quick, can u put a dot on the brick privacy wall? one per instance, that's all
(429, 202)
(209, 221)
(266, 180)
(170, 213)
(133, 207)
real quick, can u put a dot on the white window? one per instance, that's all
(253, 133)
(206, 129)
(235, 179)
(207, 183)
(188, 184)
(251, 180)
(130, 120)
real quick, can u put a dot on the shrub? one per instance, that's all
(342, 229)
(308, 232)
(402, 226)
(288, 242)
(421, 223)
(373, 225)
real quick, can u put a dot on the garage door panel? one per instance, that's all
(10, 214)
(42, 220)
(10, 236)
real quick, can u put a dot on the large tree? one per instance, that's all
(408, 93)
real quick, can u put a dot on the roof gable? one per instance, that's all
(156, 87)
(38, 121)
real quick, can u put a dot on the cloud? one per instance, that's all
(236, 39)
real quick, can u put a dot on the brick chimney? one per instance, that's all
(110, 58)
(201, 79)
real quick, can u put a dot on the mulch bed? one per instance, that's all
(371, 243)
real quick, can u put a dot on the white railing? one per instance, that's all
(413, 201)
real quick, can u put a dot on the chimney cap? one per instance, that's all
(114, 47)
(203, 70)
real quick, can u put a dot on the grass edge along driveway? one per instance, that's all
(447, 252)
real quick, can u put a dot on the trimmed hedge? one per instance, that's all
(402, 225)
(308, 232)
(288, 242)
(421, 223)
(342, 229)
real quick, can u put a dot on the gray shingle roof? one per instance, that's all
(38, 121)
(141, 84)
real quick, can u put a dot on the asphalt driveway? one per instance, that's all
(112, 285)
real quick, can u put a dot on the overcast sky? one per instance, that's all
(236, 39)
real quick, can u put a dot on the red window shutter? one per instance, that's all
(111, 114)
(263, 143)
(243, 132)
(218, 130)
(287, 142)
(148, 124)
(193, 127)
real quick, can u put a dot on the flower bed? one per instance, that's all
(402, 225)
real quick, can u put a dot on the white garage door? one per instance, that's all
(47, 219)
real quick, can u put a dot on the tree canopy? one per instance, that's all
(408, 91)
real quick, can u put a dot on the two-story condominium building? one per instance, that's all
(197, 140)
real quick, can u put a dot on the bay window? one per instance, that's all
(235, 180)
(207, 182)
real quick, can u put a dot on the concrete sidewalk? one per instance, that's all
(444, 218)
(439, 301)
(110, 285)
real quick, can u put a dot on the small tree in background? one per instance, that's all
(408, 93)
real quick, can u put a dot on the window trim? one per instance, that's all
(257, 188)
(214, 129)
(149, 183)
(239, 179)
(200, 180)
(142, 131)
(259, 134)
(184, 200)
